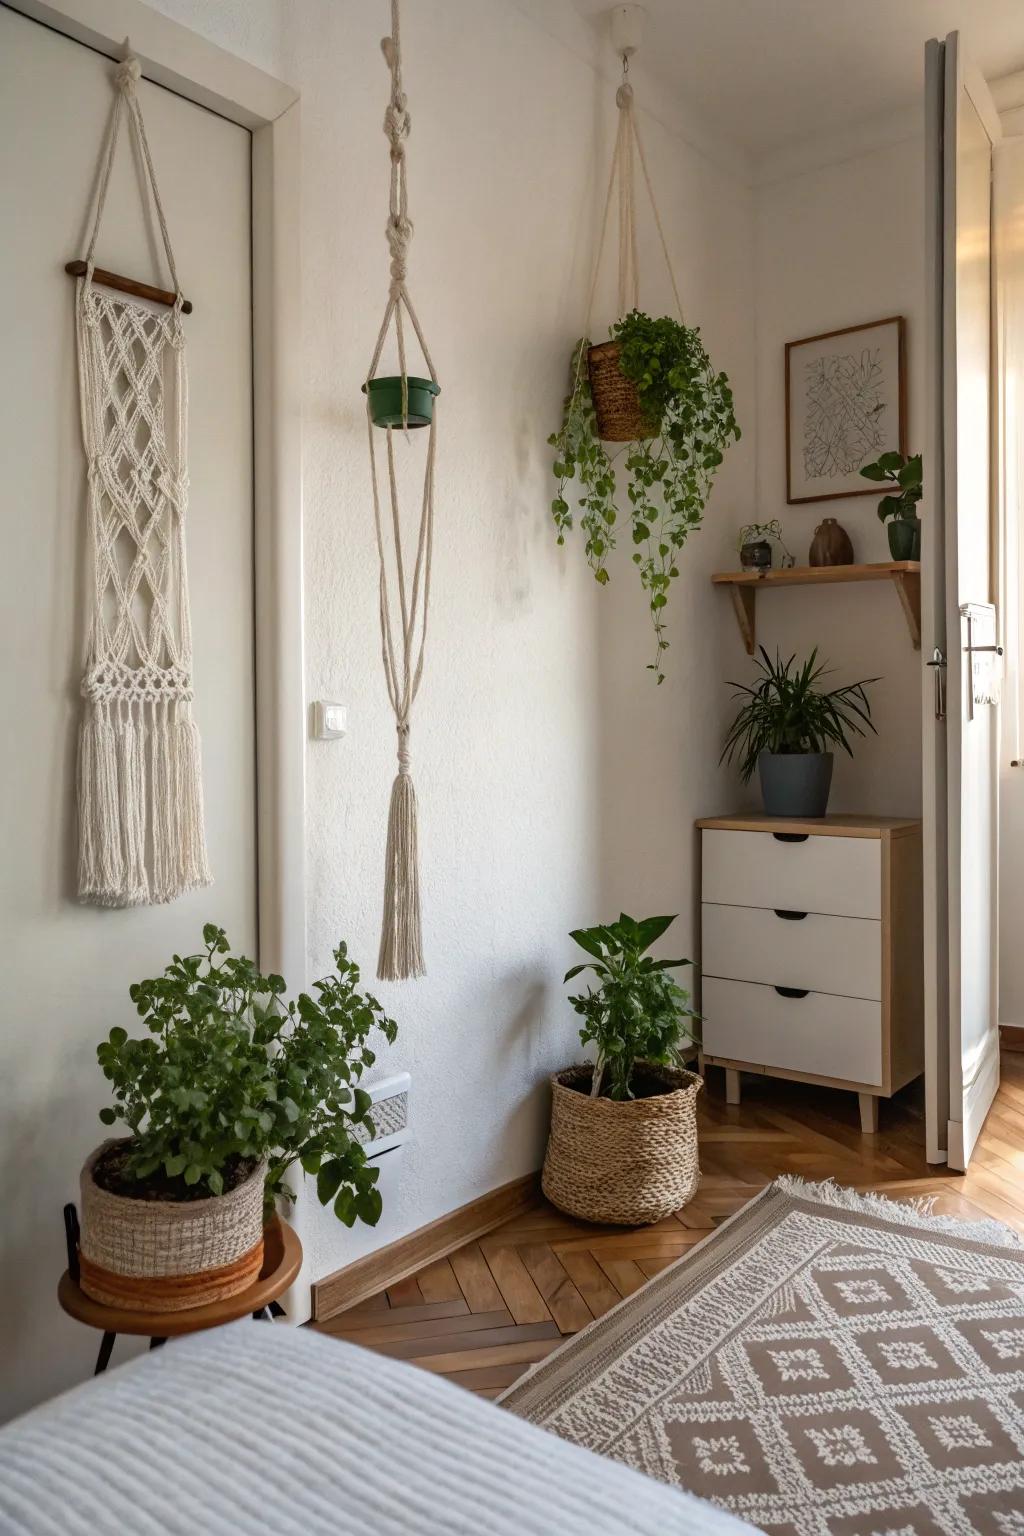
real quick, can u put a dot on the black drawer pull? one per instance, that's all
(792, 991)
(789, 917)
(791, 837)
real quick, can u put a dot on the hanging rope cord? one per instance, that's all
(629, 148)
(401, 948)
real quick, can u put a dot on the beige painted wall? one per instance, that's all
(838, 247)
(556, 782)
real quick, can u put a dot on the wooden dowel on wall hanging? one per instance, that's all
(128, 285)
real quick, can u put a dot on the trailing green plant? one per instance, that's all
(231, 1073)
(787, 710)
(906, 475)
(690, 411)
(638, 1012)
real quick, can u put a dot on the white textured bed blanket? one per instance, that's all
(260, 1427)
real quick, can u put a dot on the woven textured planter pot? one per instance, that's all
(616, 402)
(165, 1255)
(630, 1162)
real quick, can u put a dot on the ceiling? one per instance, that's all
(767, 74)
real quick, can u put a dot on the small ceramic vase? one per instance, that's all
(831, 544)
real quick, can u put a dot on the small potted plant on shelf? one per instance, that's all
(652, 388)
(228, 1090)
(623, 1141)
(899, 510)
(754, 545)
(786, 724)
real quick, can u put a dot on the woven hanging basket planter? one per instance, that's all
(616, 400)
(629, 1161)
(167, 1255)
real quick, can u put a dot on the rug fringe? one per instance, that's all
(915, 1211)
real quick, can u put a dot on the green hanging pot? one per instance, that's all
(386, 401)
(904, 538)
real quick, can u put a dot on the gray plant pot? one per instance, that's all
(795, 783)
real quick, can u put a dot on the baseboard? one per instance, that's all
(366, 1277)
(1011, 1037)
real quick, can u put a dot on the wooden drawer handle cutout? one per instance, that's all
(792, 991)
(789, 917)
(791, 837)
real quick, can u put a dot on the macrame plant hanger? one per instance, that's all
(140, 800)
(402, 638)
(628, 152)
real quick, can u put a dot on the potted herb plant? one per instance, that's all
(899, 508)
(623, 1141)
(228, 1090)
(653, 389)
(785, 726)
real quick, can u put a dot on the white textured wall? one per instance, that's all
(556, 783)
(837, 247)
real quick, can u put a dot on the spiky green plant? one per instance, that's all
(787, 710)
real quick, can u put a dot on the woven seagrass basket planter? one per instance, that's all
(631, 1161)
(166, 1255)
(616, 402)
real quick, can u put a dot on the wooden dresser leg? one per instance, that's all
(868, 1113)
(732, 1086)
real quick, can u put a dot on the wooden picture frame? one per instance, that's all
(846, 404)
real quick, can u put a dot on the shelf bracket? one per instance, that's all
(908, 586)
(744, 602)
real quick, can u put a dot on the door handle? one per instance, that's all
(792, 991)
(791, 837)
(938, 665)
(789, 917)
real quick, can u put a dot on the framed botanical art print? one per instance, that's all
(845, 405)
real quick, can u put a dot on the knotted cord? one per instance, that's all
(401, 943)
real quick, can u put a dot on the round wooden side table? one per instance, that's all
(282, 1258)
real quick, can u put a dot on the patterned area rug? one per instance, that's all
(826, 1364)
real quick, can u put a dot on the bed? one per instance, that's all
(262, 1427)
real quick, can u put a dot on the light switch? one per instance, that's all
(329, 720)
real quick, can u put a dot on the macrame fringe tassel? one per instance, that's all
(100, 865)
(125, 809)
(193, 868)
(401, 940)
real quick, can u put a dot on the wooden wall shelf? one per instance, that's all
(905, 576)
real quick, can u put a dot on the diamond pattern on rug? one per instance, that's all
(858, 1376)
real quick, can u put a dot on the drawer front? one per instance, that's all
(839, 876)
(827, 1036)
(824, 954)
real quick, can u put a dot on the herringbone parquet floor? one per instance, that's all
(484, 1314)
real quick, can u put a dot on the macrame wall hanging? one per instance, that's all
(403, 402)
(140, 801)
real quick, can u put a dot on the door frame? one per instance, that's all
(198, 70)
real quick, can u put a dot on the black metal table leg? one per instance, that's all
(103, 1358)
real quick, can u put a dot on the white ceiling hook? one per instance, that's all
(627, 28)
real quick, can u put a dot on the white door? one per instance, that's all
(961, 741)
(66, 968)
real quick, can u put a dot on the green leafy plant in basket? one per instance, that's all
(685, 422)
(638, 1012)
(231, 1074)
(899, 509)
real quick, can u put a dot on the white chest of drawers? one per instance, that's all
(812, 952)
